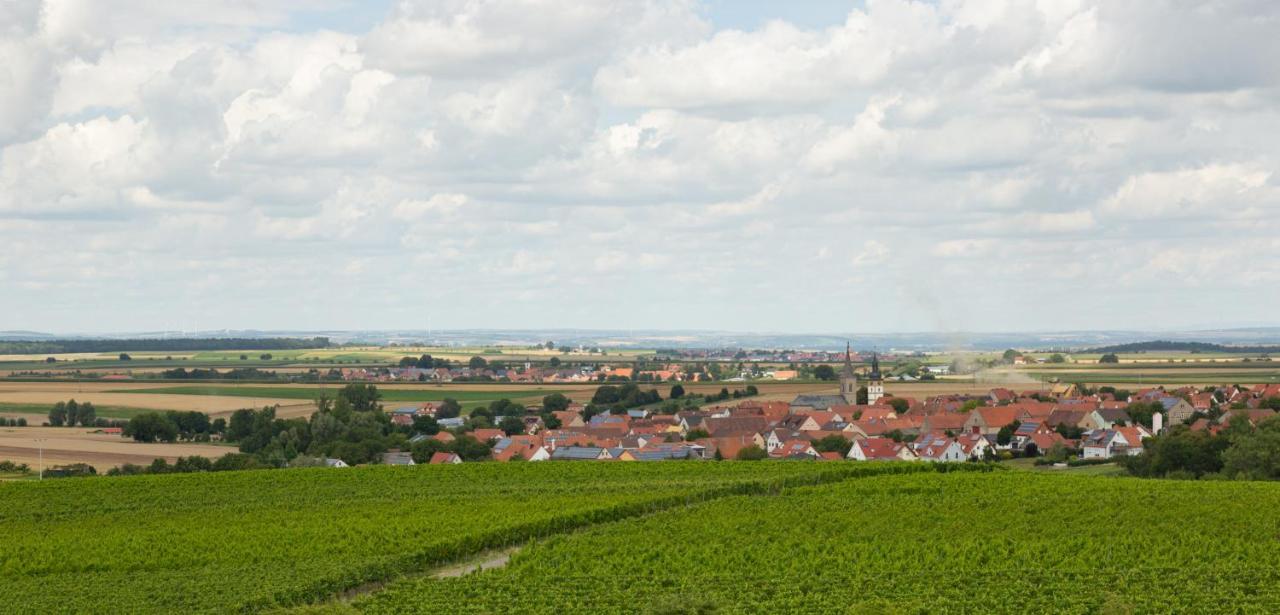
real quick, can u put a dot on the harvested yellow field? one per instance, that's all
(109, 394)
(64, 445)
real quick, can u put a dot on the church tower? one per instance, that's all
(875, 388)
(848, 379)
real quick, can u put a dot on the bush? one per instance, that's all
(1076, 463)
(752, 453)
(14, 468)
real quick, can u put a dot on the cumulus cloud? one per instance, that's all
(1219, 191)
(624, 162)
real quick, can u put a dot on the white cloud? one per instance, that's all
(1216, 190)
(873, 253)
(439, 205)
(220, 154)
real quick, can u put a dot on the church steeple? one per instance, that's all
(875, 388)
(848, 379)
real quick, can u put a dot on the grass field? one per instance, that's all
(42, 410)
(247, 541)
(921, 543)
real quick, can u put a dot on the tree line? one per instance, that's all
(160, 345)
(1241, 450)
(73, 413)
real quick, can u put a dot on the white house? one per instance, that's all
(880, 449)
(937, 448)
(1107, 443)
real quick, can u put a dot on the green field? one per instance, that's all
(1160, 375)
(241, 541)
(922, 543)
(110, 412)
(661, 538)
(388, 395)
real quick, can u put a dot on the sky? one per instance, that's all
(748, 165)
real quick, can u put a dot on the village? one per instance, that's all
(863, 423)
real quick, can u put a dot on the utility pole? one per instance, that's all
(40, 445)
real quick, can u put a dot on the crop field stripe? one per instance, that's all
(388, 395)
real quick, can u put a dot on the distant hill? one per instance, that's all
(1165, 345)
(55, 346)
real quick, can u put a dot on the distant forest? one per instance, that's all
(162, 345)
(1162, 346)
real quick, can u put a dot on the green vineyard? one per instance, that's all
(257, 540)
(1000, 542)
(625, 538)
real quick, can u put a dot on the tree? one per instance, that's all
(550, 345)
(425, 425)
(151, 427)
(73, 413)
(506, 407)
(265, 357)
(696, 434)
(241, 424)
(1179, 450)
(751, 453)
(751, 390)
(244, 357)
(1140, 413)
(193, 463)
(900, 405)
(361, 397)
(469, 448)
(124, 356)
(58, 414)
(88, 415)
(1110, 357)
(1005, 435)
(677, 391)
(237, 461)
(477, 363)
(860, 397)
(824, 372)
(511, 425)
(1058, 452)
(555, 402)
(1057, 358)
(554, 362)
(1255, 455)
(833, 443)
(1009, 355)
(449, 409)
(550, 421)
